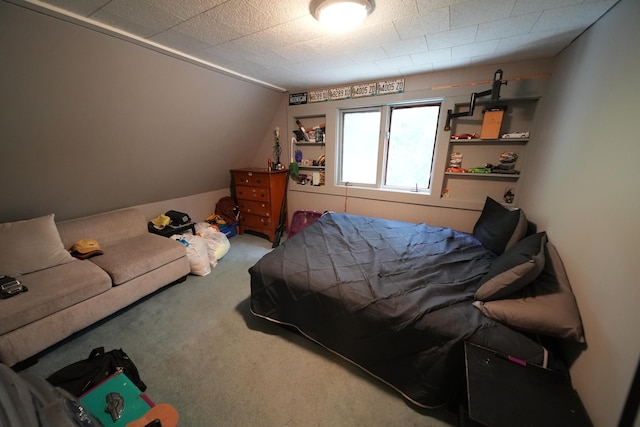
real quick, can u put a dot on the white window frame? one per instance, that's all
(383, 145)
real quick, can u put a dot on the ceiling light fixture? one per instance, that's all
(341, 15)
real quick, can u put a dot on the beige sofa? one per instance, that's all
(66, 294)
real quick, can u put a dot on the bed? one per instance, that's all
(400, 299)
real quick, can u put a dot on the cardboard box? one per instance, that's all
(491, 125)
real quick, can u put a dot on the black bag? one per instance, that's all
(79, 377)
(178, 218)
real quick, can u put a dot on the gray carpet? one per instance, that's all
(198, 347)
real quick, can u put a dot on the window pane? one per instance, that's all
(360, 139)
(412, 140)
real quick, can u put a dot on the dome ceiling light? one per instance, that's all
(341, 15)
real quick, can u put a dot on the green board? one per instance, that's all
(135, 403)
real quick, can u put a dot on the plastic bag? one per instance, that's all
(196, 253)
(217, 243)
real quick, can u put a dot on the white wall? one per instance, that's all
(583, 189)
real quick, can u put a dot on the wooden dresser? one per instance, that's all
(259, 194)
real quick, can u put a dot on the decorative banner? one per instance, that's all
(318, 95)
(340, 93)
(362, 90)
(298, 98)
(390, 86)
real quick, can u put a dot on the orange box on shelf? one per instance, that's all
(491, 125)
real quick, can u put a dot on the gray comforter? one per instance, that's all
(392, 297)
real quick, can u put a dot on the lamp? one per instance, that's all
(341, 15)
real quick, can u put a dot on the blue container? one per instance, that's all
(229, 230)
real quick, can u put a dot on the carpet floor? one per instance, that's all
(198, 347)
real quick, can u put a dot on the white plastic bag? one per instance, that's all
(196, 253)
(217, 243)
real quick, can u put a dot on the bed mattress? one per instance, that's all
(394, 298)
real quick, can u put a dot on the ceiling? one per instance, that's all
(278, 43)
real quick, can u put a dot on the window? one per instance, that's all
(389, 147)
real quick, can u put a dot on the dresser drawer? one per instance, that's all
(255, 208)
(252, 193)
(255, 221)
(251, 179)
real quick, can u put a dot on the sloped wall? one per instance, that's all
(91, 123)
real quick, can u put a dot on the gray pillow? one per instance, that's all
(550, 307)
(514, 269)
(30, 245)
(499, 228)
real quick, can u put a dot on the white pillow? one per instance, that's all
(30, 245)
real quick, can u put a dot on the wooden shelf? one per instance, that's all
(500, 141)
(508, 176)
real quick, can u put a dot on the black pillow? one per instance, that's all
(514, 269)
(499, 228)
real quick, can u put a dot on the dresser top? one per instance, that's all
(258, 170)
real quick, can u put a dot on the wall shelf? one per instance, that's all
(309, 144)
(508, 176)
(501, 141)
(477, 152)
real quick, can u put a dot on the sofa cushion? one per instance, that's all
(30, 245)
(128, 259)
(50, 291)
(106, 228)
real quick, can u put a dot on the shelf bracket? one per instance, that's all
(495, 97)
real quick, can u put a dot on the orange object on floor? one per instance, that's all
(165, 413)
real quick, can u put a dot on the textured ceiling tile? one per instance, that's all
(451, 65)
(282, 11)
(184, 9)
(406, 47)
(474, 49)
(372, 35)
(179, 41)
(204, 27)
(527, 43)
(83, 8)
(135, 17)
(301, 52)
(368, 55)
(427, 5)
(435, 21)
(287, 34)
(392, 9)
(241, 16)
(457, 37)
(479, 11)
(394, 63)
(432, 56)
(509, 27)
(268, 60)
(327, 63)
(527, 6)
(570, 17)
